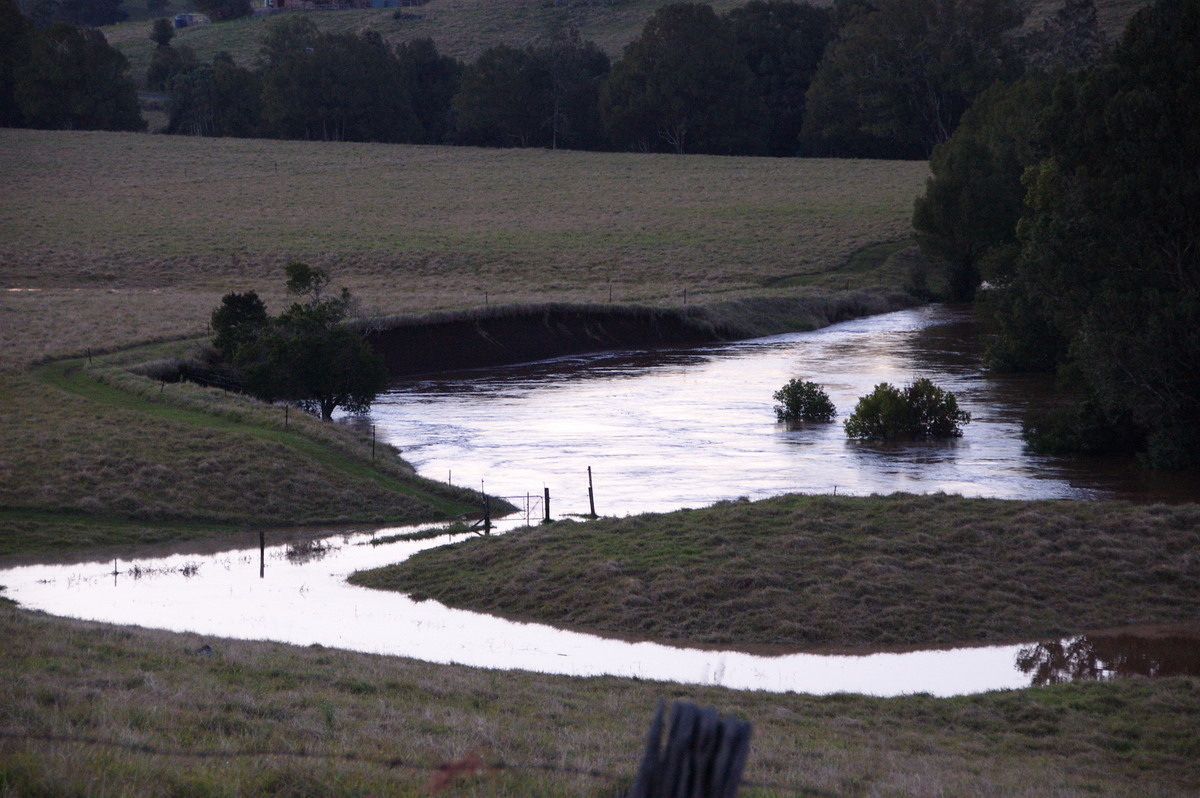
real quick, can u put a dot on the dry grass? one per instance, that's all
(338, 723)
(809, 571)
(130, 237)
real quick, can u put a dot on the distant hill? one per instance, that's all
(465, 28)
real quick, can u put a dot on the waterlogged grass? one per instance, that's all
(102, 457)
(112, 239)
(821, 571)
(106, 711)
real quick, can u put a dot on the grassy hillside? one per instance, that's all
(110, 239)
(465, 28)
(96, 456)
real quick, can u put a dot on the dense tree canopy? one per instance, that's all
(1108, 281)
(431, 81)
(73, 80)
(782, 43)
(681, 86)
(902, 72)
(332, 86)
(967, 218)
(306, 354)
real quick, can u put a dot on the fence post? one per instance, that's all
(704, 755)
(591, 494)
(546, 503)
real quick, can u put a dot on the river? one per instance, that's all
(660, 431)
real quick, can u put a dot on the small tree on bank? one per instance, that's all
(803, 401)
(306, 354)
(920, 410)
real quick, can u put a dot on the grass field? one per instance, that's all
(97, 456)
(96, 710)
(111, 239)
(802, 572)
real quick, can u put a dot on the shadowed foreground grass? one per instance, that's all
(812, 571)
(88, 709)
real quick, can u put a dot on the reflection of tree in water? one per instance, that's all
(1096, 657)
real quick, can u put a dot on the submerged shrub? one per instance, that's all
(920, 410)
(803, 401)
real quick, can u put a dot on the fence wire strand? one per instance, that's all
(391, 763)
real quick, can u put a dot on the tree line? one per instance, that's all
(1067, 204)
(885, 78)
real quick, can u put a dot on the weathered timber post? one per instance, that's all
(704, 755)
(546, 504)
(591, 494)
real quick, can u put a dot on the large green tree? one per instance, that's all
(218, 99)
(307, 354)
(681, 86)
(966, 220)
(902, 72)
(782, 43)
(332, 86)
(74, 80)
(16, 34)
(431, 81)
(1111, 249)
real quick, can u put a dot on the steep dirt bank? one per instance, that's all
(503, 335)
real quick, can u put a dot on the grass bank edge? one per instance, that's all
(107, 383)
(821, 572)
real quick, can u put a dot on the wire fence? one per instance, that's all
(440, 775)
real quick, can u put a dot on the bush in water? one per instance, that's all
(803, 401)
(921, 410)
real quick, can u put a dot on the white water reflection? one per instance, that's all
(661, 431)
(305, 602)
(686, 428)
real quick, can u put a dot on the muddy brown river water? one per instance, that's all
(660, 431)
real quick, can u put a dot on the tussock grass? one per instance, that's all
(330, 722)
(116, 239)
(822, 571)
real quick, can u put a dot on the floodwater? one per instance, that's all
(689, 427)
(660, 431)
(303, 598)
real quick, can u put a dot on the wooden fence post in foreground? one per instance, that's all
(703, 758)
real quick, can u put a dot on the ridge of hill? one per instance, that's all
(465, 28)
